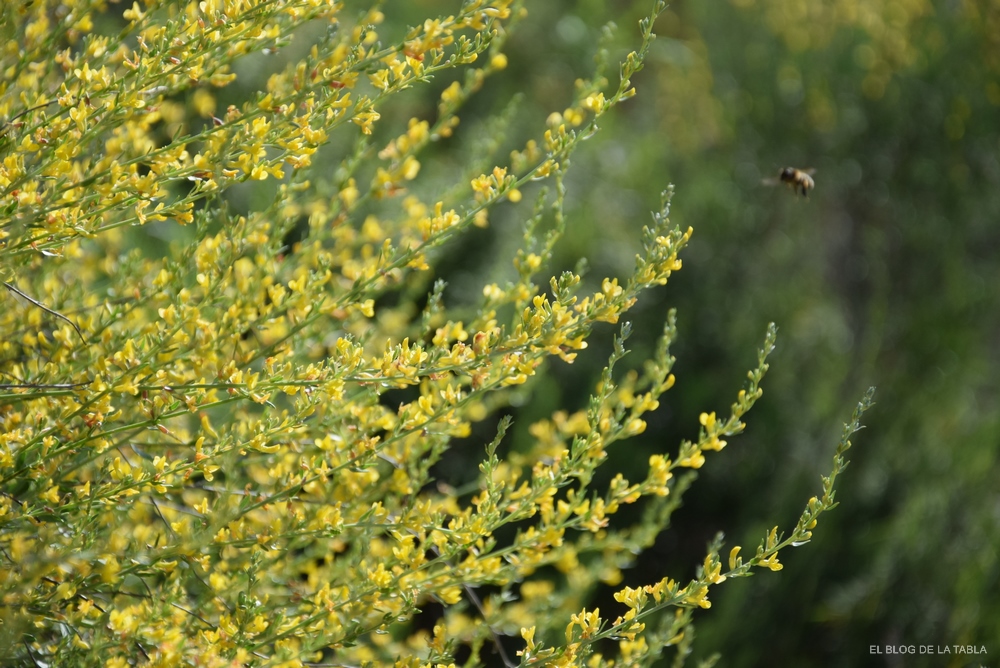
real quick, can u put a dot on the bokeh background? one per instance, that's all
(888, 274)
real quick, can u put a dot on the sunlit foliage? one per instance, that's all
(218, 449)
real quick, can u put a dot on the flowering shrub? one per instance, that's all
(204, 458)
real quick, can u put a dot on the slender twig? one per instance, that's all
(13, 118)
(46, 309)
(482, 613)
(31, 656)
(41, 386)
(139, 645)
(496, 637)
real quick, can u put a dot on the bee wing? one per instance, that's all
(770, 182)
(809, 171)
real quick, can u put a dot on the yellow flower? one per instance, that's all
(772, 562)
(713, 570)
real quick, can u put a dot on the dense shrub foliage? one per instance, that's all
(228, 372)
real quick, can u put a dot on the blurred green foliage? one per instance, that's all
(887, 274)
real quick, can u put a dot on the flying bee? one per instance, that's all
(797, 179)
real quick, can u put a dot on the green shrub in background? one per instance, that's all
(896, 278)
(227, 373)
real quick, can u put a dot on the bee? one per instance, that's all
(796, 179)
